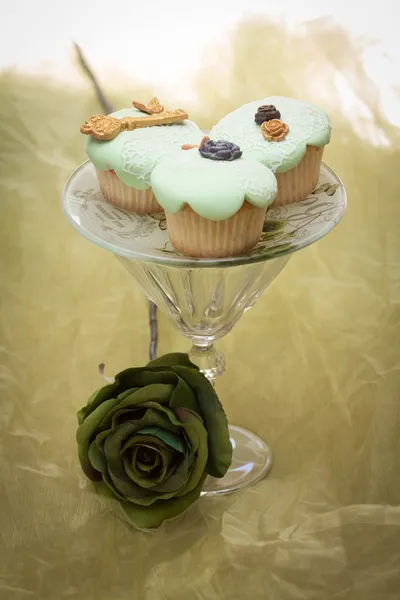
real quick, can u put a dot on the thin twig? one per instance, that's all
(153, 330)
(107, 107)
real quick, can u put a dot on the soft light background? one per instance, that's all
(313, 367)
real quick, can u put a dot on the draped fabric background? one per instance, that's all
(314, 367)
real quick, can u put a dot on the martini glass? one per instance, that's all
(204, 298)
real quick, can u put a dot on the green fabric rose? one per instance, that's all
(150, 438)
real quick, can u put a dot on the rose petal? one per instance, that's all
(129, 490)
(175, 421)
(134, 398)
(95, 400)
(142, 466)
(125, 380)
(126, 433)
(116, 480)
(154, 515)
(172, 359)
(97, 458)
(177, 480)
(154, 416)
(127, 414)
(170, 479)
(100, 438)
(198, 436)
(81, 414)
(181, 394)
(165, 436)
(142, 479)
(125, 484)
(147, 377)
(152, 391)
(148, 481)
(215, 421)
(85, 433)
(148, 458)
(127, 393)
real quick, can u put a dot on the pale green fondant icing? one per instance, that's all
(214, 189)
(308, 125)
(134, 154)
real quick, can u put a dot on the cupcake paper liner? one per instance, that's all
(118, 193)
(196, 236)
(299, 182)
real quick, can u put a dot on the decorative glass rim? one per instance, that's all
(171, 259)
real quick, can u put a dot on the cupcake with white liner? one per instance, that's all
(215, 199)
(286, 135)
(127, 145)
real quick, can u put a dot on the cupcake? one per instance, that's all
(215, 198)
(284, 134)
(126, 146)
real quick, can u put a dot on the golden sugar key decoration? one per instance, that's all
(165, 118)
(86, 128)
(153, 107)
(107, 128)
(103, 128)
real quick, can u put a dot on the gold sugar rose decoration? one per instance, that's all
(274, 130)
(106, 128)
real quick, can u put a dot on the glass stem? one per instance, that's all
(208, 359)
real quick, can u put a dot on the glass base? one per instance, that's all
(251, 461)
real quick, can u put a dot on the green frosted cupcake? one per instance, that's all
(286, 135)
(127, 145)
(215, 199)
